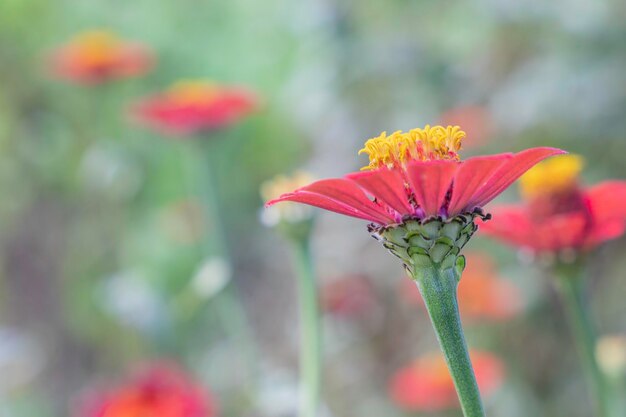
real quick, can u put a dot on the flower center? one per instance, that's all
(189, 92)
(97, 47)
(551, 188)
(430, 143)
(553, 177)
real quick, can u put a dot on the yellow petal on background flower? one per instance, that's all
(289, 212)
(193, 91)
(97, 46)
(555, 175)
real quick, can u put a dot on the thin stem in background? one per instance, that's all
(310, 330)
(570, 280)
(439, 290)
(203, 157)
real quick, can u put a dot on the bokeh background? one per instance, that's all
(104, 261)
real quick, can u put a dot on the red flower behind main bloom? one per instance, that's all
(418, 175)
(426, 384)
(482, 294)
(190, 107)
(561, 216)
(98, 56)
(159, 390)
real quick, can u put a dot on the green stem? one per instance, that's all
(229, 308)
(570, 280)
(438, 287)
(310, 330)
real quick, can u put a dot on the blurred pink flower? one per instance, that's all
(190, 107)
(558, 213)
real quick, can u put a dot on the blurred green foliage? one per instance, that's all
(92, 276)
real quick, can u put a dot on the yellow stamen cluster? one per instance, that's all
(97, 46)
(193, 91)
(556, 175)
(430, 143)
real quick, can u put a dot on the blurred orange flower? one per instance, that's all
(559, 215)
(476, 121)
(426, 384)
(98, 56)
(160, 390)
(190, 107)
(348, 296)
(482, 294)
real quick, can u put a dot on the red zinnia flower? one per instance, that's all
(426, 384)
(159, 390)
(559, 214)
(418, 175)
(482, 293)
(97, 56)
(190, 107)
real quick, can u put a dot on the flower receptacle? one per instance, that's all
(429, 243)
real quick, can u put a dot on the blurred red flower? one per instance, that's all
(348, 296)
(476, 121)
(98, 56)
(558, 213)
(482, 294)
(190, 107)
(426, 384)
(159, 390)
(418, 175)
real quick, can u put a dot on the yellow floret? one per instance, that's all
(430, 143)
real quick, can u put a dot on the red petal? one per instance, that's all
(510, 171)
(430, 182)
(513, 225)
(387, 186)
(604, 231)
(510, 224)
(414, 390)
(339, 195)
(607, 200)
(470, 177)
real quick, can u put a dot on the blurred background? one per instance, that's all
(107, 257)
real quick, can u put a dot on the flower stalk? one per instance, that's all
(570, 280)
(310, 329)
(430, 251)
(438, 287)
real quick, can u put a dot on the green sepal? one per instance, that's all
(432, 242)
